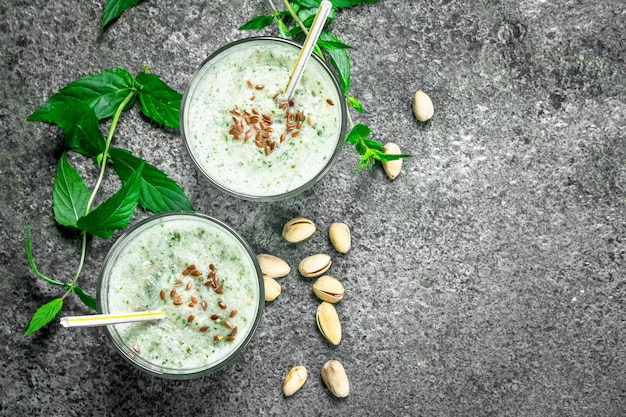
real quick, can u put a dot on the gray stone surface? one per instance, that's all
(488, 279)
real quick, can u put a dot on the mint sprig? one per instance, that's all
(78, 108)
(294, 22)
(114, 8)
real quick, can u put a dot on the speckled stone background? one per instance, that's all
(488, 279)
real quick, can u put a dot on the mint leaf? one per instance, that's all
(258, 22)
(358, 132)
(332, 45)
(69, 194)
(158, 101)
(116, 212)
(158, 192)
(340, 60)
(114, 8)
(77, 120)
(103, 92)
(355, 104)
(88, 300)
(44, 315)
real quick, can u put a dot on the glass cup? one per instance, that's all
(202, 274)
(245, 137)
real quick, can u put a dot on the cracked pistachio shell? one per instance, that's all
(328, 288)
(294, 380)
(339, 235)
(392, 168)
(272, 288)
(314, 265)
(335, 378)
(273, 266)
(298, 229)
(423, 108)
(328, 322)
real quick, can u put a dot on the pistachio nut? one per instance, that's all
(423, 108)
(294, 380)
(328, 322)
(314, 265)
(339, 234)
(392, 168)
(272, 265)
(298, 229)
(335, 377)
(272, 288)
(328, 288)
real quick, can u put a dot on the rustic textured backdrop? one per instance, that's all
(488, 279)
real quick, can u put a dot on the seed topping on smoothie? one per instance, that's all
(250, 123)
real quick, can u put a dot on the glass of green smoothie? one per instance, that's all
(205, 278)
(242, 133)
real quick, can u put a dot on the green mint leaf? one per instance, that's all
(69, 194)
(158, 101)
(332, 45)
(258, 22)
(340, 60)
(355, 104)
(283, 31)
(358, 132)
(103, 92)
(33, 267)
(88, 300)
(114, 8)
(158, 192)
(116, 212)
(78, 122)
(372, 144)
(44, 315)
(386, 157)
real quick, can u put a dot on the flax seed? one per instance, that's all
(291, 103)
(299, 124)
(230, 338)
(211, 274)
(162, 294)
(194, 299)
(236, 112)
(189, 285)
(220, 290)
(330, 102)
(233, 313)
(252, 97)
(282, 137)
(295, 133)
(204, 328)
(308, 121)
(247, 135)
(259, 144)
(221, 305)
(275, 96)
(204, 305)
(173, 293)
(178, 284)
(178, 300)
(212, 267)
(259, 87)
(190, 318)
(228, 325)
(233, 332)
(268, 118)
(249, 83)
(215, 316)
(283, 104)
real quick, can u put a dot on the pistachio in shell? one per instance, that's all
(272, 288)
(328, 322)
(339, 235)
(314, 265)
(328, 288)
(298, 229)
(295, 379)
(272, 265)
(392, 168)
(335, 378)
(423, 108)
